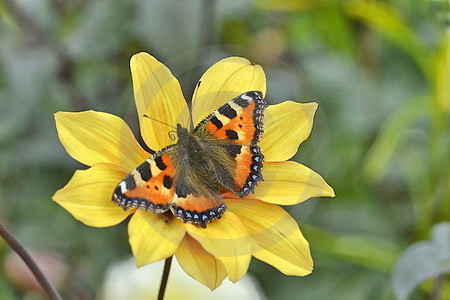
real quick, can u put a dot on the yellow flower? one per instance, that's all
(255, 225)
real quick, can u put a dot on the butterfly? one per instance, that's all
(188, 177)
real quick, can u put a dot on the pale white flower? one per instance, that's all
(124, 281)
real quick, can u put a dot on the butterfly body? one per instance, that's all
(189, 176)
(199, 159)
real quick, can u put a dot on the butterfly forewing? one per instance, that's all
(238, 121)
(238, 127)
(149, 186)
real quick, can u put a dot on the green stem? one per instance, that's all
(26, 257)
(165, 278)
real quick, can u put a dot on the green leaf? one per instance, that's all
(422, 260)
(443, 74)
(284, 5)
(384, 19)
(6, 290)
(371, 252)
(390, 136)
(236, 32)
(334, 27)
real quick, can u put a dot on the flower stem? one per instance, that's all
(23, 253)
(165, 278)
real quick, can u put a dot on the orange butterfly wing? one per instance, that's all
(238, 123)
(150, 186)
(197, 209)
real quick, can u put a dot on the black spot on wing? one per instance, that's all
(144, 170)
(167, 181)
(130, 182)
(243, 99)
(231, 134)
(241, 102)
(227, 111)
(233, 149)
(216, 122)
(160, 164)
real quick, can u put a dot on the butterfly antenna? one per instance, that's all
(191, 119)
(159, 121)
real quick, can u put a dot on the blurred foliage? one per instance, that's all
(380, 71)
(423, 260)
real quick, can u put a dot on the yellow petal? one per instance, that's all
(154, 236)
(286, 126)
(158, 95)
(288, 183)
(223, 81)
(88, 195)
(199, 264)
(93, 137)
(276, 238)
(228, 241)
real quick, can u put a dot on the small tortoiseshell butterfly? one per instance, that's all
(189, 176)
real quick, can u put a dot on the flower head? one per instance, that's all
(251, 226)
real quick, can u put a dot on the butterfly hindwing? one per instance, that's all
(249, 162)
(197, 209)
(149, 186)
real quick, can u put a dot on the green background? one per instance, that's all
(380, 71)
